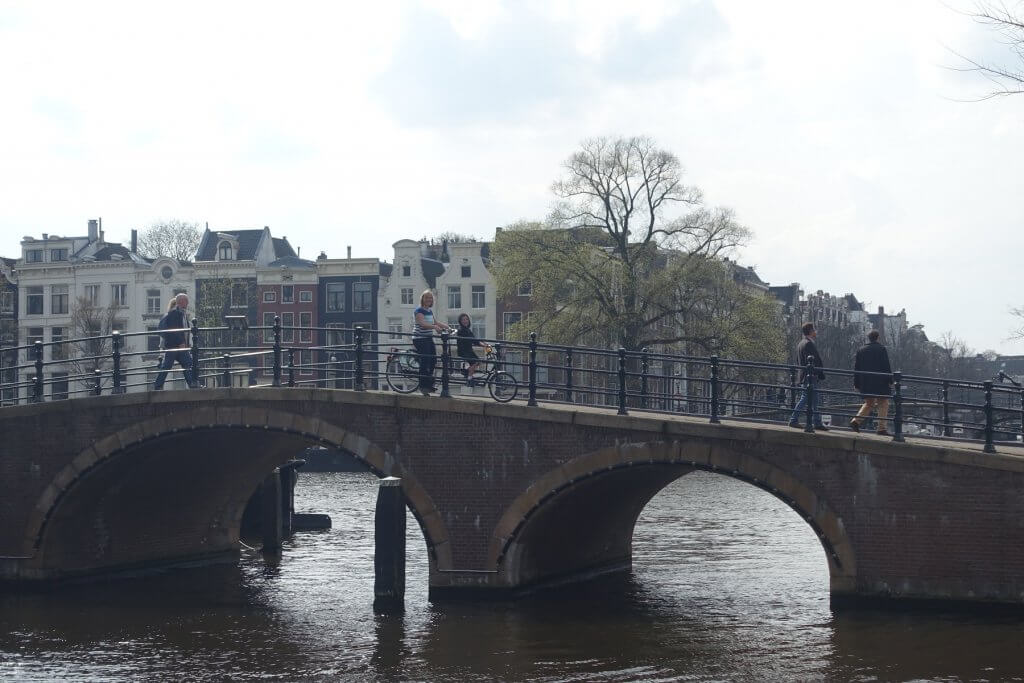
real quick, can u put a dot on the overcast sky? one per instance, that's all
(834, 130)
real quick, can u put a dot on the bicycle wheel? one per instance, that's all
(502, 386)
(403, 373)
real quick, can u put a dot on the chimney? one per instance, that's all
(135, 241)
(94, 230)
(348, 251)
(99, 225)
(45, 237)
(881, 310)
(497, 230)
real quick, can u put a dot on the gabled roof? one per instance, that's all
(9, 262)
(852, 304)
(248, 244)
(109, 251)
(431, 270)
(282, 248)
(292, 262)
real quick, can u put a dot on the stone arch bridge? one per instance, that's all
(508, 497)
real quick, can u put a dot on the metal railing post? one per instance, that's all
(360, 383)
(944, 393)
(332, 371)
(446, 364)
(713, 407)
(568, 374)
(195, 352)
(897, 402)
(97, 379)
(1022, 413)
(115, 343)
(643, 377)
(37, 384)
(811, 377)
(666, 384)
(989, 417)
(291, 367)
(226, 371)
(622, 381)
(532, 400)
(277, 351)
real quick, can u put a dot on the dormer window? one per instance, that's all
(33, 256)
(58, 254)
(225, 252)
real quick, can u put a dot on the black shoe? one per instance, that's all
(821, 428)
(794, 425)
(855, 426)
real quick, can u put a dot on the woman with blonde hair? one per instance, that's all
(423, 329)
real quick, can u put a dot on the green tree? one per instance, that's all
(630, 256)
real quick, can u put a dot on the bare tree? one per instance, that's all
(173, 238)
(1019, 332)
(1007, 21)
(92, 325)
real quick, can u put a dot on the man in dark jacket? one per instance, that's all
(807, 351)
(872, 377)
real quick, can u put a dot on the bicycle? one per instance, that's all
(402, 372)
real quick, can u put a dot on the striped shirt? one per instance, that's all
(428, 317)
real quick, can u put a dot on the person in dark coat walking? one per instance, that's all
(806, 350)
(872, 377)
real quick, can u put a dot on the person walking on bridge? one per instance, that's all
(807, 351)
(872, 377)
(175, 343)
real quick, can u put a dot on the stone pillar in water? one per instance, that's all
(389, 546)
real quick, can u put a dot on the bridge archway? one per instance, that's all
(175, 488)
(578, 519)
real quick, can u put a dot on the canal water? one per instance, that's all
(728, 584)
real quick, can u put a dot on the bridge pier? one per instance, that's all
(389, 546)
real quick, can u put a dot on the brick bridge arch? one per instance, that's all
(580, 517)
(188, 498)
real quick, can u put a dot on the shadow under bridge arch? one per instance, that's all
(173, 489)
(577, 521)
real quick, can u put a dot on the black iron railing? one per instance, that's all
(989, 412)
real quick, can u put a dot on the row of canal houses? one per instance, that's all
(253, 276)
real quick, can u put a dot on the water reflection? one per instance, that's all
(728, 584)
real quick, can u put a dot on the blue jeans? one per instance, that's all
(799, 410)
(184, 358)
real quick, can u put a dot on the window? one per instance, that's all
(406, 270)
(59, 300)
(59, 254)
(7, 301)
(479, 296)
(239, 295)
(224, 251)
(335, 334)
(32, 335)
(166, 272)
(154, 301)
(362, 300)
(287, 321)
(454, 296)
(305, 322)
(287, 294)
(58, 351)
(153, 339)
(305, 362)
(10, 377)
(305, 296)
(59, 386)
(525, 288)
(336, 296)
(269, 297)
(8, 332)
(118, 295)
(479, 327)
(268, 322)
(34, 300)
(33, 256)
(395, 328)
(92, 294)
(406, 295)
(467, 271)
(510, 319)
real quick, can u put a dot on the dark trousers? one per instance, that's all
(184, 358)
(426, 353)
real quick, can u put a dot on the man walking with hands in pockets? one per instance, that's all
(176, 346)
